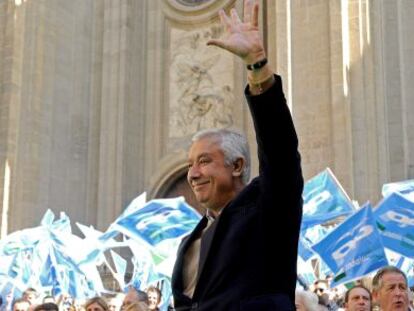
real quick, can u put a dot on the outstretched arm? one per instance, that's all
(243, 39)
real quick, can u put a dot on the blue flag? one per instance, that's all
(395, 220)
(324, 200)
(405, 188)
(304, 249)
(120, 268)
(306, 272)
(354, 248)
(308, 237)
(408, 268)
(158, 220)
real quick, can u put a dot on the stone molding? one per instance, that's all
(201, 13)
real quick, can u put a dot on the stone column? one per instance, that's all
(359, 66)
(124, 143)
(392, 37)
(45, 104)
(303, 58)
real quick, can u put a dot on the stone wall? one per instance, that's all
(98, 99)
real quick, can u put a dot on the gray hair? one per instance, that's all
(309, 299)
(377, 280)
(234, 146)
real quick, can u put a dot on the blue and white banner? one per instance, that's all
(324, 199)
(408, 268)
(354, 248)
(395, 220)
(304, 249)
(309, 237)
(405, 188)
(306, 272)
(158, 220)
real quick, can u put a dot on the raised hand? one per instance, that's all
(242, 38)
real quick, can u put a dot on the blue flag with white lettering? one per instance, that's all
(395, 220)
(159, 219)
(354, 248)
(405, 188)
(307, 238)
(324, 200)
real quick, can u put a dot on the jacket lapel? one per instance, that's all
(177, 275)
(206, 242)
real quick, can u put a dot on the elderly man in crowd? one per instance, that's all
(390, 289)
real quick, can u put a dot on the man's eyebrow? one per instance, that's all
(204, 154)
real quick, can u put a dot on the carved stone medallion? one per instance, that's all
(192, 2)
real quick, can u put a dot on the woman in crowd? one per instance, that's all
(96, 304)
(154, 298)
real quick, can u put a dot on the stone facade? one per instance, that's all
(98, 99)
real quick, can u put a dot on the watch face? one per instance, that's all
(192, 2)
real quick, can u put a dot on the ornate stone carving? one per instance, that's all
(194, 11)
(192, 2)
(201, 84)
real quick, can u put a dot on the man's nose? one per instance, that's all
(400, 291)
(193, 172)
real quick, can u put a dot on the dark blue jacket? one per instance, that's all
(248, 255)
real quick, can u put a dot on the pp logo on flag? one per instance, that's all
(401, 219)
(311, 207)
(343, 251)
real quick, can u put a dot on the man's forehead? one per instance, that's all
(358, 291)
(203, 147)
(321, 285)
(393, 277)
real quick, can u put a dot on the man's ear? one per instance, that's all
(238, 167)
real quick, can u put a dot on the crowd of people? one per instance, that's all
(132, 300)
(228, 262)
(387, 291)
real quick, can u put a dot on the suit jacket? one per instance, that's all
(248, 255)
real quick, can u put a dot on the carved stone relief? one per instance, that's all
(192, 2)
(201, 83)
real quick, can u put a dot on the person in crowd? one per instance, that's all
(48, 299)
(49, 306)
(227, 262)
(78, 304)
(358, 298)
(134, 295)
(137, 306)
(390, 289)
(21, 305)
(96, 304)
(306, 301)
(154, 298)
(31, 295)
(320, 287)
(9, 301)
(65, 302)
(115, 302)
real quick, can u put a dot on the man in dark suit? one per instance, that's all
(242, 255)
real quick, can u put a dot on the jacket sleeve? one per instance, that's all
(279, 159)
